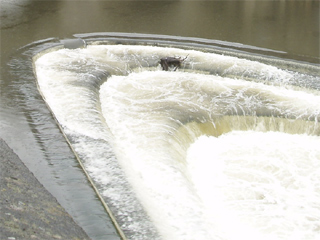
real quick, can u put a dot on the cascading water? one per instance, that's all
(221, 148)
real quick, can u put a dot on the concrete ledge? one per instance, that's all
(27, 209)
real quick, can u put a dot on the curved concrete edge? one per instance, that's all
(71, 45)
(27, 209)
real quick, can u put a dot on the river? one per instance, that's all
(262, 94)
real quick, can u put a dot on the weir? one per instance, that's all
(136, 131)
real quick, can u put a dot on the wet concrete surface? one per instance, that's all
(27, 209)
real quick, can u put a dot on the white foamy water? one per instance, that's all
(260, 185)
(223, 147)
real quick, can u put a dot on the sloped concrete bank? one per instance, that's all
(27, 209)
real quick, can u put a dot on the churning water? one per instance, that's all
(223, 147)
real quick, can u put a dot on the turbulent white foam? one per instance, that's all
(141, 109)
(254, 183)
(258, 185)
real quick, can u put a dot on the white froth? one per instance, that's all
(184, 200)
(260, 185)
(255, 184)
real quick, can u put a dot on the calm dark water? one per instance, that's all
(290, 28)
